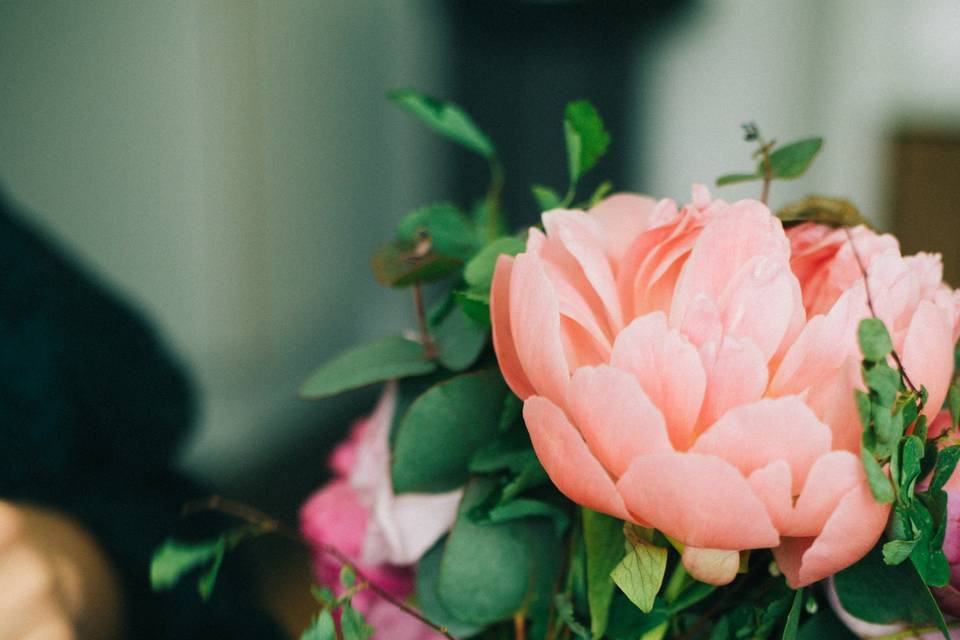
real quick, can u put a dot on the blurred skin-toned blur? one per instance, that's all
(228, 167)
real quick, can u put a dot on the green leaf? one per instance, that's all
(793, 618)
(521, 508)
(208, 579)
(896, 551)
(479, 271)
(599, 193)
(603, 537)
(459, 339)
(175, 558)
(447, 119)
(323, 595)
(640, 574)
(885, 382)
(587, 139)
(910, 457)
(825, 626)
(322, 628)
(347, 577)
(428, 573)
(874, 340)
(512, 451)
(443, 428)
(451, 232)
(402, 263)
(546, 197)
(565, 613)
(367, 364)
(475, 304)
(489, 572)
(833, 212)
(734, 178)
(353, 625)
(876, 592)
(953, 403)
(693, 594)
(792, 160)
(879, 482)
(946, 463)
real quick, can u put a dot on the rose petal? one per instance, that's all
(622, 216)
(928, 354)
(503, 342)
(621, 426)
(567, 460)
(736, 375)
(697, 499)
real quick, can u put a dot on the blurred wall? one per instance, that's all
(229, 165)
(854, 71)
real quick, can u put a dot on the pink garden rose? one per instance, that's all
(693, 371)
(358, 513)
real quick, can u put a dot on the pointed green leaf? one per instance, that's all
(879, 482)
(546, 197)
(792, 160)
(475, 304)
(587, 139)
(322, 628)
(599, 193)
(896, 551)
(175, 558)
(367, 364)
(565, 612)
(793, 618)
(447, 119)
(451, 232)
(946, 463)
(603, 537)
(459, 339)
(479, 271)
(640, 574)
(353, 625)
(874, 339)
(734, 178)
(428, 574)
(402, 263)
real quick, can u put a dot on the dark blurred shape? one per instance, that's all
(516, 64)
(926, 194)
(92, 410)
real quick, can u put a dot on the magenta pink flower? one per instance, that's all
(382, 533)
(694, 370)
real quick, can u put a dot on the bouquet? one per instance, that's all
(638, 420)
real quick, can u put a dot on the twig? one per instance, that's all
(271, 525)
(873, 311)
(493, 199)
(519, 626)
(767, 170)
(429, 346)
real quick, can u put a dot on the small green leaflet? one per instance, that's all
(879, 482)
(367, 364)
(640, 573)
(452, 234)
(874, 340)
(792, 160)
(476, 304)
(403, 263)
(322, 628)
(353, 625)
(603, 537)
(447, 119)
(347, 577)
(546, 197)
(459, 338)
(734, 178)
(587, 139)
(176, 558)
(946, 463)
(479, 271)
(793, 618)
(896, 551)
(566, 615)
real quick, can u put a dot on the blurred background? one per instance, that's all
(229, 165)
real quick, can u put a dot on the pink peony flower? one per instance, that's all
(694, 370)
(382, 533)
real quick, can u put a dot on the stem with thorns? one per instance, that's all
(267, 524)
(873, 312)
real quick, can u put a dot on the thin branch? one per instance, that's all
(271, 525)
(873, 311)
(767, 170)
(493, 199)
(429, 346)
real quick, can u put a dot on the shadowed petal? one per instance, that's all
(928, 354)
(502, 334)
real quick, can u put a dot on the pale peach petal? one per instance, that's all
(701, 324)
(621, 426)
(535, 321)
(736, 374)
(832, 399)
(895, 290)
(713, 566)
(567, 460)
(697, 499)
(850, 532)
(581, 347)
(773, 485)
(728, 242)
(751, 436)
(502, 334)
(762, 302)
(583, 238)
(622, 216)
(831, 478)
(789, 557)
(928, 354)
(669, 370)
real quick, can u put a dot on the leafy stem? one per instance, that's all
(493, 199)
(267, 524)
